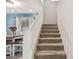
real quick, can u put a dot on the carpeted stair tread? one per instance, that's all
(49, 35)
(50, 52)
(50, 44)
(50, 38)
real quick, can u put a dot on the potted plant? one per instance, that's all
(13, 29)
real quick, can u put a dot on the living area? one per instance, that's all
(15, 24)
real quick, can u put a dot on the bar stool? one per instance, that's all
(17, 45)
(8, 49)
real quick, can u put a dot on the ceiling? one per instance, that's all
(22, 5)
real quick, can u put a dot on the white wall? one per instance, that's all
(30, 38)
(31, 34)
(65, 23)
(50, 12)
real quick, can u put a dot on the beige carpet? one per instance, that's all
(50, 43)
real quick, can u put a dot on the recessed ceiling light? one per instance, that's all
(12, 0)
(42, 1)
(54, 0)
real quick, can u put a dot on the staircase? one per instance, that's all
(50, 44)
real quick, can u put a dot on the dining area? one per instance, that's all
(14, 47)
(14, 37)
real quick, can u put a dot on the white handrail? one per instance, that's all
(30, 27)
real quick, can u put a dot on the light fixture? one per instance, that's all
(12, 0)
(54, 0)
(9, 1)
(42, 1)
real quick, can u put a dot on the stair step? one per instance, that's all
(50, 54)
(50, 27)
(49, 35)
(49, 24)
(50, 31)
(49, 46)
(50, 40)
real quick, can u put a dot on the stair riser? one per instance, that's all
(50, 31)
(49, 27)
(50, 48)
(46, 27)
(49, 24)
(50, 41)
(51, 57)
(50, 35)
